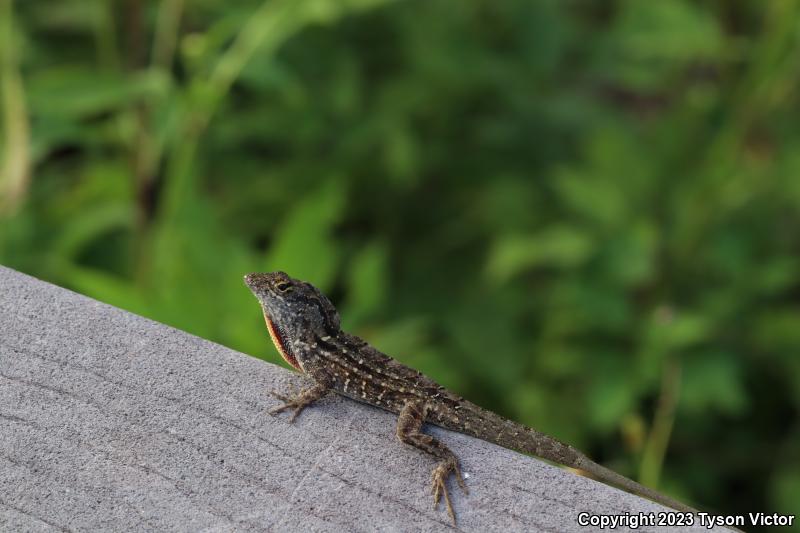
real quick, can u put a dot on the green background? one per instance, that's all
(582, 215)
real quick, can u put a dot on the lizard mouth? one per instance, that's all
(279, 341)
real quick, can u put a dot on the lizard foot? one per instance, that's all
(438, 484)
(289, 402)
(299, 400)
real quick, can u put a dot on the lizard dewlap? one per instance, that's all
(279, 343)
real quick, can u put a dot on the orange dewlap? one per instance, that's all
(274, 332)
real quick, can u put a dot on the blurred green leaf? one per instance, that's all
(304, 244)
(629, 259)
(785, 488)
(104, 287)
(558, 246)
(653, 41)
(713, 381)
(779, 329)
(78, 92)
(368, 283)
(610, 397)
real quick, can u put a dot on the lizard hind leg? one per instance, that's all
(409, 424)
(299, 401)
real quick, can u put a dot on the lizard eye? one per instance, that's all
(283, 286)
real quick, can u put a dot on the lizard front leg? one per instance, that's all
(301, 400)
(409, 423)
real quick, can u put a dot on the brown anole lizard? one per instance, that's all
(304, 325)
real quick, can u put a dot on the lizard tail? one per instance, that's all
(609, 476)
(512, 435)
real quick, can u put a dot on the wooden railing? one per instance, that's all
(113, 422)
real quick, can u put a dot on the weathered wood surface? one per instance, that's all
(112, 422)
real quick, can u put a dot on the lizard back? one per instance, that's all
(363, 373)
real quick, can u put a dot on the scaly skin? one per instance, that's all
(304, 326)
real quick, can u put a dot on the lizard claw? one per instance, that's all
(439, 487)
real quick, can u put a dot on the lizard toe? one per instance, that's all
(279, 409)
(439, 487)
(279, 396)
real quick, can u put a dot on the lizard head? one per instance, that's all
(294, 311)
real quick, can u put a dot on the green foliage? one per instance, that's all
(581, 215)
